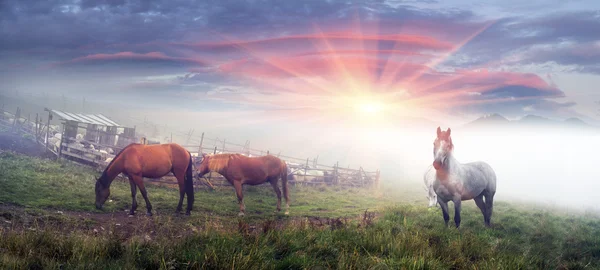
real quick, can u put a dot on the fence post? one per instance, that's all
(377, 179)
(305, 171)
(336, 179)
(16, 120)
(36, 129)
(267, 152)
(48, 127)
(223, 145)
(200, 147)
(62, 137)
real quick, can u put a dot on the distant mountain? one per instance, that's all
(576, 122)
(534, 120)
(491, 119)
(528, 120)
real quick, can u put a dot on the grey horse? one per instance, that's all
(428, 179)
(458, 182)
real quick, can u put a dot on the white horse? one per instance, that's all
(428, 179)
(458, 182)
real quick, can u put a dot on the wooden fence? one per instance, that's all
(301, 171)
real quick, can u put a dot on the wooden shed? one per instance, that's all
(99, 136)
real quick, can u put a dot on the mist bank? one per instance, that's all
(549, 165)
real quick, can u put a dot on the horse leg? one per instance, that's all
(139, 180)
(277, 191)
(180, 179)
(489, 208)
(457, 207)
(479, 202)
(133, 195)
(444, 206)
(238, 190)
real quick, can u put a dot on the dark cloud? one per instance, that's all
(545, 35)
(515, 101)
(261, 43)
(519, 91)
(130, 59)
(584, 57)
(70, 24)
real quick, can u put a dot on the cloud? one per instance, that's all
(400, 42)
(584, 56)
(275, 52)
(560, 37)
(152, 58)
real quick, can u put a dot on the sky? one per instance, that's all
(309, 76)
(446, 61)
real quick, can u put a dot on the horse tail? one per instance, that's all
(284, 179)
(189, 182)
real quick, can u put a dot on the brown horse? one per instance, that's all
(153, 161)
(239, 170)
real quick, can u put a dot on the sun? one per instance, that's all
(370, 107)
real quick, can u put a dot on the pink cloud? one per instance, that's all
(338, 39)
(151, 56)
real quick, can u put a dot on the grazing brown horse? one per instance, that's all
(153, 161)
(239, 170)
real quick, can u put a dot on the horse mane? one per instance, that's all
(104, 176)
(219, 161)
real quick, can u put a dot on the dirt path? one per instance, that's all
(123, 226)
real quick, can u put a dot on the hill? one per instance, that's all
(489, 120)
(527, 121)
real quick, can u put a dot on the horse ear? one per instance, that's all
(448, 131)
(439, 131)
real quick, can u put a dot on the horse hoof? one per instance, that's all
(131, 215)
(188, 213)
(149, 214)
(287, 212)
(241, 214)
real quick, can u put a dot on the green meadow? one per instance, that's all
(48, 221)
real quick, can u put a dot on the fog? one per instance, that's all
(553, 166)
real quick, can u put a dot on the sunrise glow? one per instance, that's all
(370, 107)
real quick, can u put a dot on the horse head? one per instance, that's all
(431, 196)
(102, 193)
(442, 148)
(202, 165)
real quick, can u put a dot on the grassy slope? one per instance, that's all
(405, 235)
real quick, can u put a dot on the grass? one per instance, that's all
(37, 183)
(48, 221)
